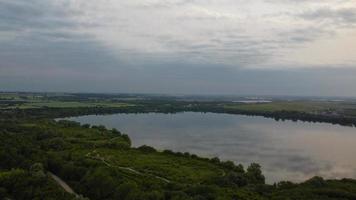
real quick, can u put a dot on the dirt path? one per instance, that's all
(98, 157)
(63, 184)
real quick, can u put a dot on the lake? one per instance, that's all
(286, 150)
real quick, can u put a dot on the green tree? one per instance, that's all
(254, 174)
(37, 170)
(99, 183)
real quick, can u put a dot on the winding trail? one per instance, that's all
(98, 157)
(63, 184)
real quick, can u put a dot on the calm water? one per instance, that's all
(286, 150)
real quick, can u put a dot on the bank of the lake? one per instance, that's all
(287, 150)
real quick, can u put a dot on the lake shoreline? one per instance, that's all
(149, 123)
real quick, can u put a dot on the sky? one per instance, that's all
(240, 47)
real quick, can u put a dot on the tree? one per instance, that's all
(86, 125)
(115, 131)
(316, 181)
(99, 183)
(37, 170)
(126, 138)
(215, 160)
(228, 164)
(147, 149)
(128, 190)
(254, 174)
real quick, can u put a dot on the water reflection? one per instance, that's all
(286, 150)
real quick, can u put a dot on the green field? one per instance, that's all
(40, 100)
(58, 104)
(298, 106)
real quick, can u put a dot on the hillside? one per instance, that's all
(101, 164)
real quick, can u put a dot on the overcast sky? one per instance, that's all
(277, 47)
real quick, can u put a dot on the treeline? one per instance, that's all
(174, 107)
(297, 116)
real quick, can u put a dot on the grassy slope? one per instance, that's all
(172, 167)
(79, 142)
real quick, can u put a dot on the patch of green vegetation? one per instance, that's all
(86, 156)
(53, 100)
(320, 108)
(170, 166)
(24, 184)
(101, 164)
(299, 106)
(58, 104)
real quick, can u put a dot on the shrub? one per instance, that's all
(147, 149)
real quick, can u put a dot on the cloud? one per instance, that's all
(343, 16)
(23, 15)
(112, 38)
(231, 33)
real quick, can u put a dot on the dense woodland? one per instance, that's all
(98, 163)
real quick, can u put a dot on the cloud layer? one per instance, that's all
(93, 37)
(233, 32)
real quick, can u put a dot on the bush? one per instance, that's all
(37, 170)
(99, 183)
(231, 179)
(126, 138)
(113, 144)
(285, 185)
(228, 165)
(316, 181)
(115, 131)
(128, 190)
(100, 127)
(54, 144)
(147, 149)
(170, 152)
(215, 160)
(67, 123)
(86, 125)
